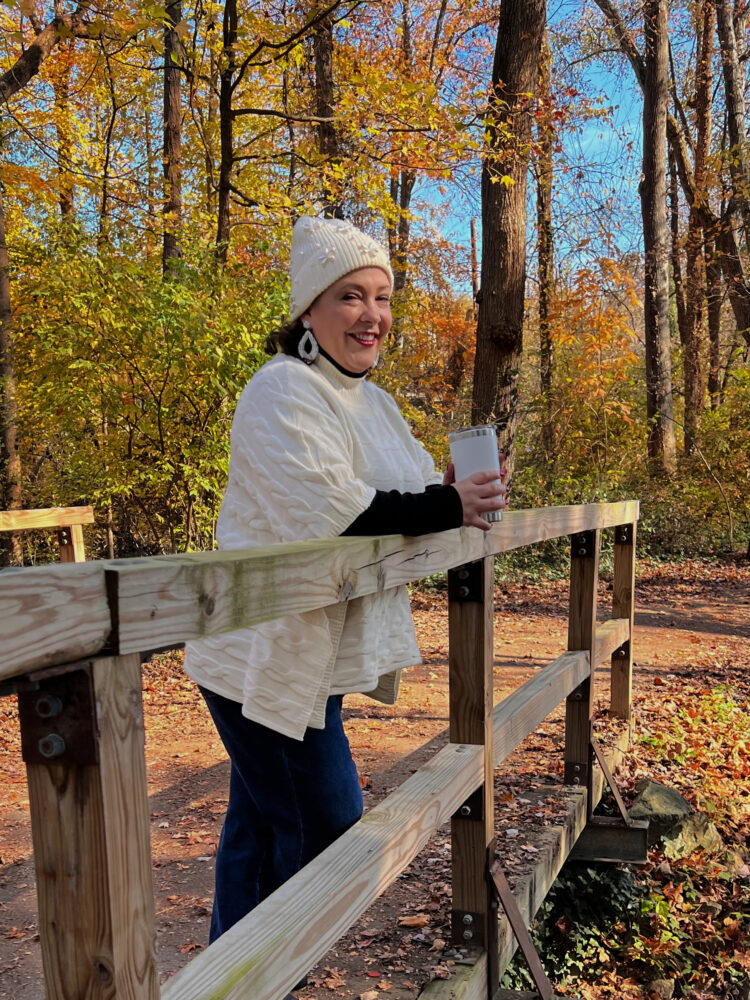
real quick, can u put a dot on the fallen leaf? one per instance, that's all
(418, 920)
(190, 946)
(369, 995)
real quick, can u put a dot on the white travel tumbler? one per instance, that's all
(475, 450)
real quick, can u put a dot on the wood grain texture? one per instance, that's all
(530, 889)
(579, 707)
(528, 706)
(170, 599)
(165, 600)
(268, 951)
(51, 614)
(90, 829)
(470, 644)
(609, 637)
(623, 606)
(47, 517)
(122, 767)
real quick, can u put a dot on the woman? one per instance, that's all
(316, 451)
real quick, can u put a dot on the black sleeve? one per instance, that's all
(394, 513)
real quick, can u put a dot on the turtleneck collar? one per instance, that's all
(336, 374)
(344, 371)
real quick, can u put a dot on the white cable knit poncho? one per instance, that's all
(309, 448)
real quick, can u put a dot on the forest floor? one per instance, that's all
(692, 637)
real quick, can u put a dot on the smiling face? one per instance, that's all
(351, 319)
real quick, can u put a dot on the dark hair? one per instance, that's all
(285, 338)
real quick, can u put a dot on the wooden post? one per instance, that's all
(90, 830)
(70, 539)
(470, 617)
(579, 706)
(622, 607)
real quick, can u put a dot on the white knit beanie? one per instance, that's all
(324, 250)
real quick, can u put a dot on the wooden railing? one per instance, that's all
(86, 767)
(67, 522)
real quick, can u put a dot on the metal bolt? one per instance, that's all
(576, 767)
(465, 810)
(582, 552)
(576, 781)
(463, 591)
(48, 706)
(468, 935)
(468, 919)
(463, 574)
(578, 696)
(621, 652)
(52, 745)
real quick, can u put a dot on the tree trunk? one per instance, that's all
(328, 143)
(61, 90)
(653, 194)
(713, 309)
(228, 66)
(503, 269)
(734, 90)
(545, 252)
(694, 256)
(172, 221)
(11, 498)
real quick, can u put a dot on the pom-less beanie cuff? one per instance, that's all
(324, 250)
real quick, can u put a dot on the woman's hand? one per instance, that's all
(480, 493)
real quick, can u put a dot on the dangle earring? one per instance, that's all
(308, 346)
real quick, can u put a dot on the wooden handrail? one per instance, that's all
(365, 860)
(45, 517)
(57, 614)
(166, 600)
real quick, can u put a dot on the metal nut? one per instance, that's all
(468, 919)
(468, 935)
(52, 745)
(463, 574)
(465, 810)
(576, 781)
(48, 706)
(463, 591)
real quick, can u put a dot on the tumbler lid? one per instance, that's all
(480, 430)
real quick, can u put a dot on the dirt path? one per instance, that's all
(693, 620)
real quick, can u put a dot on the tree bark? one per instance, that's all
(734, 90)
(61, 90)
(226, 162)
(503, 268)
(12, 497)
(172, 219)
(653, 194)
(325, 106)
(28, 64)
(545, 252)
(713, 309)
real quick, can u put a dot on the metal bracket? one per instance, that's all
(465, 582)
(472, 808)
(624, 534)
(577, 774)
(518, 926)
(583, 545)
(611, 782)
(468, 927)
(57, 711)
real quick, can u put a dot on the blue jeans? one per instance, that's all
(288, 800)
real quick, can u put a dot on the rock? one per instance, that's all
(661, 805)
(692, 833)
(661, 989)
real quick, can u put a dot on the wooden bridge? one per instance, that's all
(70, 643)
